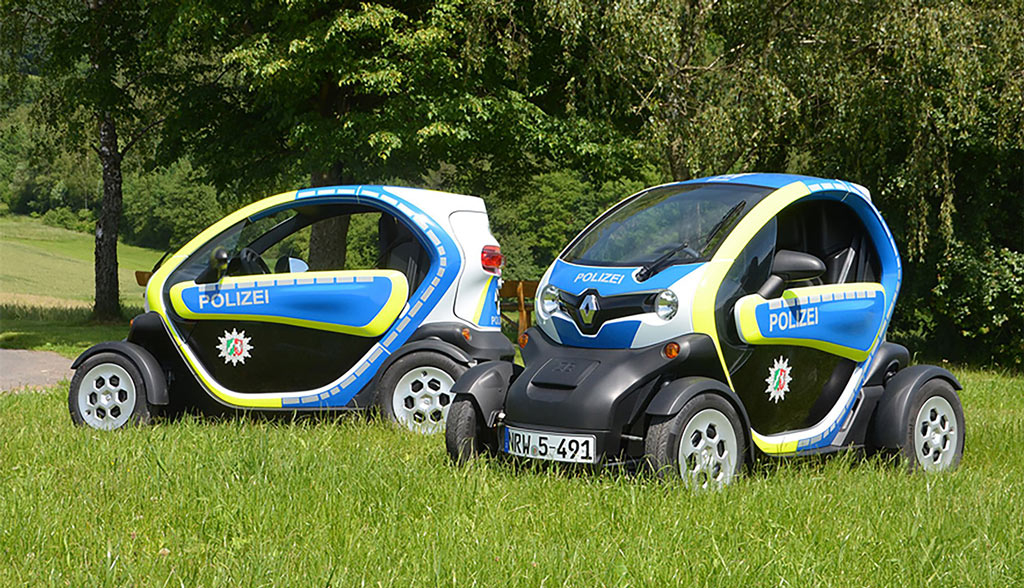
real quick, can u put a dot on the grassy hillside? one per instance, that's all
(48, 266)
(244, 502)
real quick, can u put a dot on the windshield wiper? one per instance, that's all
(727, 216)
(652, 267)
(663, 261)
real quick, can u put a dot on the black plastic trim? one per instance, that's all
(487, 384)
(886, 427)
(890, 358)
(152, 374)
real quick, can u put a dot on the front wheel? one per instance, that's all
(416, 391)
(464, 434)
(933, 438)
(703, 443)
(107, 392)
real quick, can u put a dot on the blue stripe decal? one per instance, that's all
(610, 281)
(611, 336)
(489, 316)
(892, 277)
(445, 264)
(351, 301)
(849, 319)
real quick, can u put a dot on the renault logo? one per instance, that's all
(588, 308)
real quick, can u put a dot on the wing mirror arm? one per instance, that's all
(219, 258)
(787, 267)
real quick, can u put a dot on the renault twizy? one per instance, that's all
(237, 315)
(696, 324)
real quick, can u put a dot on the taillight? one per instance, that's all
(492, 259)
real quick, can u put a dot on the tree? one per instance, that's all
(100, 67)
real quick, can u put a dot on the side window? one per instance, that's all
(833, 233)
(748, 273)
(281, 243)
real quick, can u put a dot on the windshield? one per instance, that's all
(689, 221)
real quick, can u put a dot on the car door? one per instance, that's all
(793, 355)
(270, 324)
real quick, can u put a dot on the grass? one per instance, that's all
(250, 502)
(49, 266)
(66, 330)
(203, 502)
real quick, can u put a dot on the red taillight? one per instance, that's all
(492, 259)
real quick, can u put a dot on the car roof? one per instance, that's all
(776, 181)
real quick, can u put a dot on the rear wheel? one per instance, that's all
(933, 438)
(703, 443)
(416, 391)
(107, 392)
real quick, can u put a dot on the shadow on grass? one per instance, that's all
(65, 330)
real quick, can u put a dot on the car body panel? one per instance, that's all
(835, 350)
(309, 308)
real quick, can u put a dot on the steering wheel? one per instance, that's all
(251, 263)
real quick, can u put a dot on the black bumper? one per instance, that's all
(601, 392)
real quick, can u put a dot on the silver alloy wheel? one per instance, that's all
(935, 434)
(708, 450)
(106, 396)
(422, 398)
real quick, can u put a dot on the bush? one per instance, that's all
(82, 221)
(982, 294)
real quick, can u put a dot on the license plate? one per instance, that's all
(544, 445)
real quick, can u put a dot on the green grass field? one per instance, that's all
(49, 266)
(353, 502)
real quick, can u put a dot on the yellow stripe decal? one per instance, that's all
(715, 270)
(483, 299)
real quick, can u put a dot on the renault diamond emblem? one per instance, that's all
(588, 308)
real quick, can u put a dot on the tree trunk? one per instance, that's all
(328, 239)
(108, 301)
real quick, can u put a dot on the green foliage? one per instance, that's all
(83, 221)
(165, 208)
(982, 290)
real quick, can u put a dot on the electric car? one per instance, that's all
(237, 316)
(698, 324)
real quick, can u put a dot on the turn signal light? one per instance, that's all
(466, 334)
(523, 340)
(671, 350)
(492, 259)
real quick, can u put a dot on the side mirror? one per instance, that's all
(219, 259)
(790, 266)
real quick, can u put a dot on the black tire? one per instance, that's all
(108, 392)
(464, 431)
(430, 405)
(933, 432)
(716, 454)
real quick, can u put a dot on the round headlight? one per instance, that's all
(666, 304)
(548, 300)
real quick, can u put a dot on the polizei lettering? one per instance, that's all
(234, 298)
(599, 277)
(792, 319)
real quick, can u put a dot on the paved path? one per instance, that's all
(31, 369)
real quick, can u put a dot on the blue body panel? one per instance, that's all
(333, 301)
(850, 321)
(445, 263)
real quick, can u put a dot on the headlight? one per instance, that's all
(548, 300)
(666, 304)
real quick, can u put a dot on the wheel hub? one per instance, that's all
(106, 396)
(422, 399)
(935, 434)
(708, 450)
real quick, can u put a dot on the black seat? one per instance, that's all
(398, 249)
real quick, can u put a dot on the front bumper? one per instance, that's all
(599, 392)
